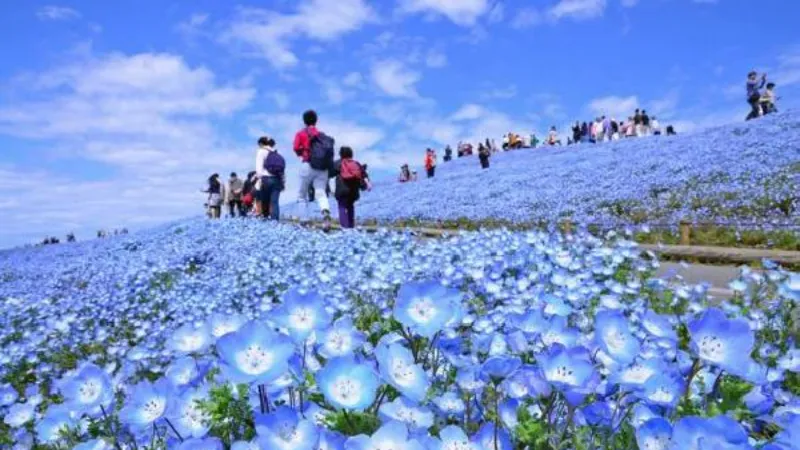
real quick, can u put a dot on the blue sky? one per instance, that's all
(113, 113)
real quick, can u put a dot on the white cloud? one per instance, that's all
(280, 98)
(577, 9)
(470, 111)
(436, 59)
(57, 13)
(629, 3)
(460, 12)
(394, 79)
(503, 93)
(267, 34)
(526, 17)
(353, 79)
(614, 106)
(148, 117)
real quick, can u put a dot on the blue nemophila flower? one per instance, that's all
(450, 404)
(254, 353)
(341, 339)
(403, 410)
(146, 403)
(8, 395)
(698, 433)
(566, 368)
(725, 343)
(182, 371)
(190, 339)
(614, 337)
(454, 438)
(663, 389)
(88, 390)
(244, 445)
(397, 367)
(94, 444)
(498, 368)
(222, 324)
(659, 326)
(286, 430)
(425, 307)
(303, 313)
(490, 439)
(392, 435)
(347, 384)
(201, 444)
(655, 434)
(331, 440)
(19, 414)
(186, 415)
(57, 419)
(790, 361)
(791, 287)
(636, 375)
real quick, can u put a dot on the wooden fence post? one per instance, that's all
(686, 232)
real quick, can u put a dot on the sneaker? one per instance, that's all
(326, 221)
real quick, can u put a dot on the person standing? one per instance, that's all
(215, 196)
(349, 175)
(271, 169)
(645, 123)
(430, 162)
(483, 156)
(233, 195)
(754, 95)
(315, 150)
(448, 154)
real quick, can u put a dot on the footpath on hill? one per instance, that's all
(724, 262)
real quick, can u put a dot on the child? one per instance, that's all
(768, 100)
(349, 184)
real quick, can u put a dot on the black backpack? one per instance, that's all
(321, 151)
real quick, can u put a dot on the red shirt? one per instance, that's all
(302, 143)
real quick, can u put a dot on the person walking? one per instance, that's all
(315, 150)
(448, 154)
(271, 170)
(754, 95)
(645, 123)
(350, 181)
(233, 195)
(430, 162)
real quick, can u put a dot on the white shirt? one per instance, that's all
(261, 159)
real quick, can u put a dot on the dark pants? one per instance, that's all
(270, 194)
(347, 213)
(431, 172)
(485, 163)
(236, 205)
(755, 104)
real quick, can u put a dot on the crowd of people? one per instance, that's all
(101, 234)
(259, 193)
(760, 103)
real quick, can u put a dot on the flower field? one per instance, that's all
(248, 335)
(743, 175)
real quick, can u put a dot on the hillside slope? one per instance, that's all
(736, 174)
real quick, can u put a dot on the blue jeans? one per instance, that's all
(270, 194)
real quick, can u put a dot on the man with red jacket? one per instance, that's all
(309, 176)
